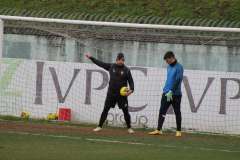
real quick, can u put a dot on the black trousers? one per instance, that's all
(176, 103)
(111, 102)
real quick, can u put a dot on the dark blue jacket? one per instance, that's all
(174, 79)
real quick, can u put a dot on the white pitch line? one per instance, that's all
(213, 134)
(165, 146)
(124, 142)
(45, 135)
(220, 150)
(114, 141)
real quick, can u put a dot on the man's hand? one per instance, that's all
(88, 55)
(129, 92)
(169, 96)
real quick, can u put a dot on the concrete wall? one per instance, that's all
(195, 57)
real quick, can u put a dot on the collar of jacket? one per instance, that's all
(174, 63)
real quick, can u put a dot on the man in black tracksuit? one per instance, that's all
(120, 76)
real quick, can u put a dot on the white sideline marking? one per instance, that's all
(114, 141)
(124, 142)
(213, 134)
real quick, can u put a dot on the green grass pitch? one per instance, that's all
(66, 142)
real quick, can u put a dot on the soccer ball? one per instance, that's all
(123, 91)
(52, 116)
(25, 115)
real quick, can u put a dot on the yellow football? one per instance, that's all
(123, 91)
(25, 115)
(52, 116)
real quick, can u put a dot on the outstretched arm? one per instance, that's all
(104, 65)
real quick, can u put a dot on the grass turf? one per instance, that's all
(71, 146)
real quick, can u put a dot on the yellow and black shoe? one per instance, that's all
(156, 132)
(178, 134)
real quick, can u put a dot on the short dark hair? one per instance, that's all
(120, 56)
(169, 54)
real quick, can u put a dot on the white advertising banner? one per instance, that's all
(210, 101)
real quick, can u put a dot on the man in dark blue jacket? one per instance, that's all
(172, 93)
